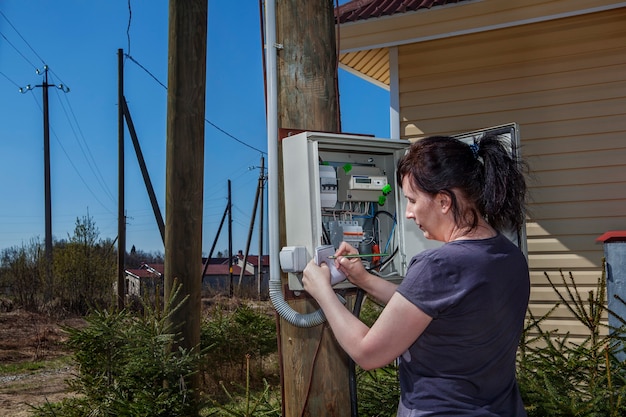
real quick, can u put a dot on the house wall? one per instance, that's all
(564, 82)
(456, 19)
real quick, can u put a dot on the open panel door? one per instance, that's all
(412, 239)
(510, 133)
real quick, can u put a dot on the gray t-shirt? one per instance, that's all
(463, 364)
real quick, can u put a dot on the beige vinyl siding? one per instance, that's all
(564, 82)
(450, 20)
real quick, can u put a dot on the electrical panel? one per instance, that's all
(343, 188)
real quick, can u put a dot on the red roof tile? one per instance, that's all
(366, 9)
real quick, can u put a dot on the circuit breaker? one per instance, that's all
(343, 188)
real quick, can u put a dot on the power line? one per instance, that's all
(20, 35)
(95, 196)
(206, 120)
(130, 15)
(17, 50)
(234, 138)
(10, 80)
(146, 70)
(91, 161)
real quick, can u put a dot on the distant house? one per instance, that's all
(216, 280)
(556, 68)
(144, 280)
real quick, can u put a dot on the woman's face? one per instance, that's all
(424, 210)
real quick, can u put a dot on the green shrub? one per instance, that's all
(558, 377)
(230, 337)
(242, 402)
(378, 392)
(128, 367)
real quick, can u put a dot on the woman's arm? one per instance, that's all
(397, 327)
(377, 287)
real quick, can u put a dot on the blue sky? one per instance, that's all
(78, 40)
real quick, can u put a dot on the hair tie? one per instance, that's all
(474, 147)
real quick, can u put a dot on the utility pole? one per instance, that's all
(230, 243)
(187, 41)
(262, 178)
(121, 216)
(314, 366)
(257, 196)
(46, 168)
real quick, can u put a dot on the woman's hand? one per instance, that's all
(316, 280)
(352, 268)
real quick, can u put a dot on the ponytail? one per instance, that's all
(485, 173)
(503, 198)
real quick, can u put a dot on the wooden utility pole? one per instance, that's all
(47, 189)
(230, 243)
(121, 216)
(259, 273)
(315, 368)
(258, 196)
(185, 164)
(46, 168)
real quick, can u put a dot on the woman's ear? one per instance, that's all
(444, 201)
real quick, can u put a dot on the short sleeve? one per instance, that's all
(433, 285)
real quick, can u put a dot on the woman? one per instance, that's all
(455, 320)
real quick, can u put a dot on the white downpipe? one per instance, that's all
(275, 286)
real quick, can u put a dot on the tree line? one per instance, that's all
(84, 271)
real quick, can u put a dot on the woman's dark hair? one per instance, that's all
(485, 173)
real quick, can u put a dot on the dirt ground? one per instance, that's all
(30, 337)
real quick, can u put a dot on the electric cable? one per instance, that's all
(145, 70)
(206, 120)
(326, 235)
(95, 196)
(10, 80)
(91, 162)
(25, 41)
(352, 382)
(312, 372)
(17, 50)
(388, 260)
(384, 264)
(130, 16)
